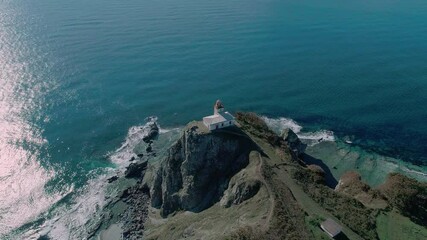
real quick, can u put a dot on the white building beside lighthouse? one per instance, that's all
(220, 118)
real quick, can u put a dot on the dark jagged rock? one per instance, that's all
(125, 193)
(140, 155)
(149, 148)
(154, 132)
(112, 179)
(44, 237)
(135, 215)
(136, 169)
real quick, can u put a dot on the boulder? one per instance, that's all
(149, 148)
(152, 133)
(112, 179)
(136, 169)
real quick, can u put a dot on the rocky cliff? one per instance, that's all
(198, 168)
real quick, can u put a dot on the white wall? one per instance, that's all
(221, 125)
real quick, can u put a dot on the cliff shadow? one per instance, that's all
(219, 180)
(237, 132)
(329, 178)
(199, 167)
(341, 236)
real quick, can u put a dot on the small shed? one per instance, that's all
(331, 227)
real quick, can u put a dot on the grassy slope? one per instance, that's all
(279, 167)
(393, 226)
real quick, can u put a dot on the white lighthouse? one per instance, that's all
(220, 118)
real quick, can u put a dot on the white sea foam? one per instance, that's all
(421, 174)
(73, 222)
(22, 192)
(279, 124)
(322, 135)
(163, 130)
(310, 138)
(69, 222)
(135, 135)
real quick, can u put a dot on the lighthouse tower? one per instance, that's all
(220, 118)
(218, 107)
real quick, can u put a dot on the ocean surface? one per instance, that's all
(79, 79)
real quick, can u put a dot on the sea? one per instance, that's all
(80, 80)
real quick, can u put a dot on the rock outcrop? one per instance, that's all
(153, 132)
(318, 173)
(245, 184)
(136, 169)
(293, 141)
(198, 168)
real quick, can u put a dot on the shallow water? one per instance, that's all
(77, 76)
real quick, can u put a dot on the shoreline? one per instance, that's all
(340, 154)
(374, 168)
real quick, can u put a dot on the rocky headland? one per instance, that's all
(247, 182)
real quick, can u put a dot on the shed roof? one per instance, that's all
(331, 227)
(218, 118)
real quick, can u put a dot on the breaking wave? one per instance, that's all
(309, 138)
(81, 210)
(135, 135)
(419, 173)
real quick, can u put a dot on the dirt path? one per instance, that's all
(306, 203)
(282, 175)
(266, 225)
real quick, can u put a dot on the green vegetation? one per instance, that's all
(313, 223)
(393, 226)
(248, 233)
(359, 207)
(408, 196)
(254, 125)
(348, 210)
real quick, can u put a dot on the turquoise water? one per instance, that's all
(76, 76)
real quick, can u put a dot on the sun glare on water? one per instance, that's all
(22, 178)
